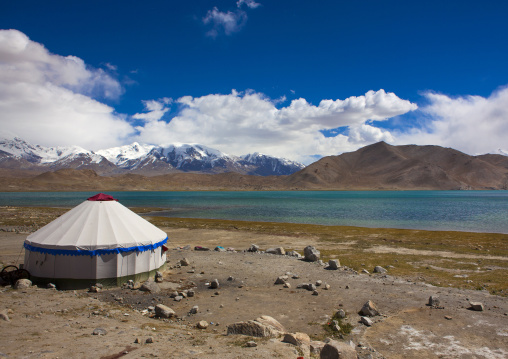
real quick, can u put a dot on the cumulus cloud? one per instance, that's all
(49, 99)
(472, 124)
(155, 109)
(226, 22)
(240, 123)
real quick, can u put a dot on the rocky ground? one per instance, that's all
(46, 323)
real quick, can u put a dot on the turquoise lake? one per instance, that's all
(472, 211)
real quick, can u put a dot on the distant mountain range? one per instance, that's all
(148, 160)
(375, 167)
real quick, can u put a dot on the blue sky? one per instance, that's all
(298, 79)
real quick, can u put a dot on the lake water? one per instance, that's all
(474, 211)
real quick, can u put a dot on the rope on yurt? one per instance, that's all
(19, 255)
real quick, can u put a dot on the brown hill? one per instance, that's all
(376, 167)
(382, 166)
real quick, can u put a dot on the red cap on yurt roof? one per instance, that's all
(102, 197)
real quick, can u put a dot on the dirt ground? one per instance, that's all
(48, 323)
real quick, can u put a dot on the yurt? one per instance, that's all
(99, 241)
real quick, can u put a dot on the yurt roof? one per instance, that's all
(97, 226)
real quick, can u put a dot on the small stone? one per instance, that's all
(251, 344)
(203, 324)
(476, 306)
(447, 317)
(326, 286)
(178, 298)
(150, 286)
(190, 293)
(318, 283)
(137, 341)
(253, 248)
(341, 314)
(311, 287)
(287, 285)
(4, 316)
(379, 269)
(214, 284)
(94, 289)
(194, 310)
(365, 271)
(231, 279)
(281, 279)
(278, 251)
(99, 331)
(369, 309)
(163, 311)
(315, 292)
(184, 262)
(51, 286)
(149, 340)
(433, 301)
(367, 321)
(333, 264)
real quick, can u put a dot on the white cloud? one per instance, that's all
(227, 22)
(155, 109)
(472, 124)
(47, 98)
(240, 123)
(250, 3)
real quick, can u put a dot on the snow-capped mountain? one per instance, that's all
(141, 159)
(267, 165)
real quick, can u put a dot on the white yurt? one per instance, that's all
(99, 241)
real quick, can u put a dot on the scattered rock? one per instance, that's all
(379, 269)
(253, 248)
(365, 271)
(184, 262)
(194, 310)
(287, 285)
(190, 293)
(326, 286)
(433, 301)
(94, 289)
(297, 339)
(318, 283)
(315, 292)
(99, 331)
(163, 311)
(311, 254)
(369, 309)
(281, 279)
(51, 286)
(137, 341)
(447, 317)
(23, 284)
(294, 254)
(231, 279)
(150, 286)
(4, 316)
(311, 287)
(279, 251)
(333, 264)
(337, 350)
(264, 326)
(158, 277)
(476, 306)
(149, 340)
(178, 298)
(214, 284)
(251, 344)
(367, 321)
(341, 314)
(316, 347)
(203, 324)
(199, 248)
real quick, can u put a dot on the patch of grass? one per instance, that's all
(330, 327)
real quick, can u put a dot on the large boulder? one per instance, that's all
(337, 350)
(163, 311)
(311, 254)
(264, 326)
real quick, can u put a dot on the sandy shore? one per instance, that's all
(53, 324)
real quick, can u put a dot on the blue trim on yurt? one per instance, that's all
(97, 252)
